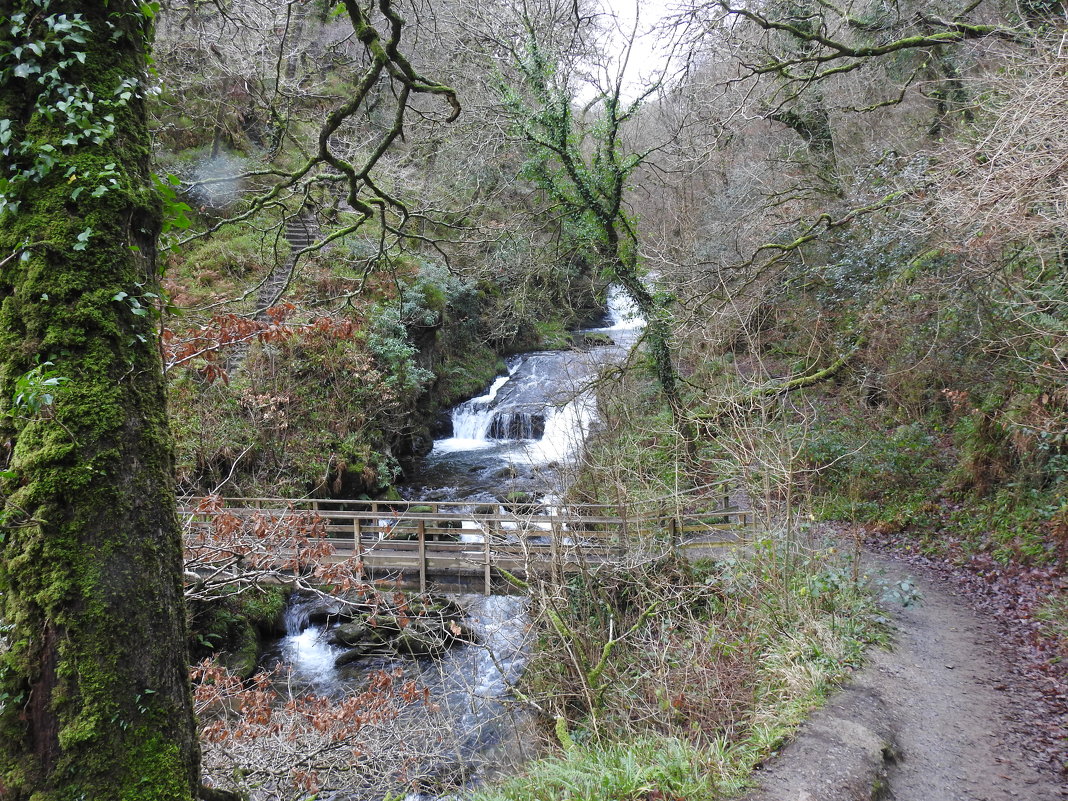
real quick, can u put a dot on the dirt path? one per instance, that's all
(937, 718)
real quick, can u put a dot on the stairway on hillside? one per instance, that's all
(301, 232)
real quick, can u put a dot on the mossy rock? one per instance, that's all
(420, 639)
(521, 503)
(349, 634)
(351, 655)
(244, 660)
(590, 340)
(440, 607)
(235, 626)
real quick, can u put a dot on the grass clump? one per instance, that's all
(680, 677)
(639, 769)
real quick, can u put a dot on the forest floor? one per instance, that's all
(957, 709)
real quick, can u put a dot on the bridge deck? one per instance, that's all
(458, 543)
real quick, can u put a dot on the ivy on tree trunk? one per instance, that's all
(586, 170)
(94, 689)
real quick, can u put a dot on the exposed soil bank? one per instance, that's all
(942, 716)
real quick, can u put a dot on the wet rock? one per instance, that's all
(520, 503)
(382, 627)
(590, 339)
(420, 627)
(350, 656)
(443, 607)
(326, 611)
(420, 639)
(349, 634)
(518, 425)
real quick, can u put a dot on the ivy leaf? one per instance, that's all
(83, 239)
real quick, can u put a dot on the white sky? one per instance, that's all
(649, 51)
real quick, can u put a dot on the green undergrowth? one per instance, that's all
(234, 626)
(333, 399)
(677, 679)
(952, 485)
(627, 771)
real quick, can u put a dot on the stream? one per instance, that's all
(519, 438)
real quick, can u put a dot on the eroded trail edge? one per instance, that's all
(935, 718)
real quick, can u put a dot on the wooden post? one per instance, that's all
(488, 587)
(673, 529)
(357, 540)
(422, 556)
(555, 568)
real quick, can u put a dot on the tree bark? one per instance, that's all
(94, 690)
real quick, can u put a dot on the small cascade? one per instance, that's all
(517, 425)
(305, 650)
(623, 312)
(297, 616)
(625, 321)
(567, 428)
(472, 419)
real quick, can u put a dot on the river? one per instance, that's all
(520, 438)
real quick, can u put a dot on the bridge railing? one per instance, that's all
(442, 537)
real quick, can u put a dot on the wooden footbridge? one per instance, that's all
(465, 546)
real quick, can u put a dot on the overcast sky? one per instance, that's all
(648, 53)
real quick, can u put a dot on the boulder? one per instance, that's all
(420, 639)
(349, 634)
(350, 656)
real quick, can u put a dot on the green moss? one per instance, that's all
(90, 584)
(151, 770)
(235, 627)
(552, 335)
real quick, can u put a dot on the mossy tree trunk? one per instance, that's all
(94, 691)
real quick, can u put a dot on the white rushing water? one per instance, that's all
(471, 419)
(528, 424)
(544, 405)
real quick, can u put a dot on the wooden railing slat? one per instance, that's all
(388, 535)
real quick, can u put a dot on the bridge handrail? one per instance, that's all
(339, 507)
(392, 535)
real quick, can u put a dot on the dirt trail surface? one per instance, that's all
(940, 717)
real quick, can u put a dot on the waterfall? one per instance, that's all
(305, 650)
(508, 442)
(622, 311)
(567, 427)
(471, 420)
